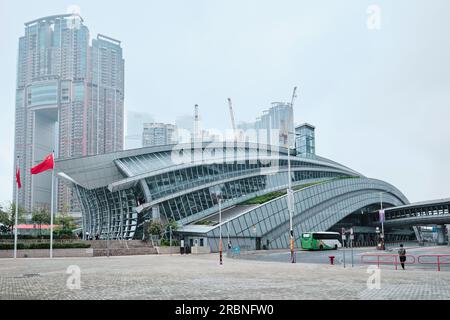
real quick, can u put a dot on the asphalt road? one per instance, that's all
(361, 256)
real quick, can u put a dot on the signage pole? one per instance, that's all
(343, 245)
(220, 231)
(51, 212)
(351, 244)
(170, 242)
(16, 218)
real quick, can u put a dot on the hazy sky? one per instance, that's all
(380, 99)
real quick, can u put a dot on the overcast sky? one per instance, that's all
(380, 99)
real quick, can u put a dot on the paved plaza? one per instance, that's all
(201, 277)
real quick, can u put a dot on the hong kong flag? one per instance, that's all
(45, 165)
(19, 184)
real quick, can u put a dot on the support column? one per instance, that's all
(440, 235)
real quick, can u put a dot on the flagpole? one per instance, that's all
(16, 218)
(51, 210)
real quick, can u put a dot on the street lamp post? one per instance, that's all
(220, 230)
(109, 230)
(170, 241)
(290, 194)
(382, 220)
(228, 238)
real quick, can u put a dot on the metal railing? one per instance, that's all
(440, 259)
(386, 259)
(393, 259)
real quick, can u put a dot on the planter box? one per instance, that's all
(45, 253)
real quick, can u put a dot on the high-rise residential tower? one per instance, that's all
(159, 134)
(69, 98)
(276, 125)
(135, 124)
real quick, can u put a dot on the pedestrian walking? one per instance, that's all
(402, 256)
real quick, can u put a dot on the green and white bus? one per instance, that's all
(321, 240)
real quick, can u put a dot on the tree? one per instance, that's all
(172, 223)
(8, 216)
(65, 222)
(155, 228)
(40, 217)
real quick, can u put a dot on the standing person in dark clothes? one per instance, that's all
(402, 256)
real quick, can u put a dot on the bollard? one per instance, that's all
(331, 260)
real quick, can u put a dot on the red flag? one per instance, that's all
(45, 165)
(19, 184)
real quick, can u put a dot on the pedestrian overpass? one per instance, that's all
(426, 213)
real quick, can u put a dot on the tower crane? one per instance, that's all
(196, 128)
(233, 123)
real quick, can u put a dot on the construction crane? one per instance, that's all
(230, 105)
(294, 95)
(196, 122)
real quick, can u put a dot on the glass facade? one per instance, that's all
(120, 192)
(317, 208)
(305, 139)
(43, 94)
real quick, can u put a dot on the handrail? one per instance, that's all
(438, 259)
(393, 261)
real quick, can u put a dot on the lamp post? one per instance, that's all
(381, 216)
(220, 230)
(228, 239)
(377, 230)
(170, 241)
(290, 193)
(290, 207)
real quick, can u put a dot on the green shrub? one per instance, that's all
(44, 236)
(166, 243)
(74, 245)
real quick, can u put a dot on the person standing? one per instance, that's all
(402, 256)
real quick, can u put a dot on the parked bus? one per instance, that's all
(321, 240)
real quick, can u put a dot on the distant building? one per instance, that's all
(305, 139)
(185, 126)
(135, 126)
(185, 122)
(207, 136)
(159, 134)
(276, 125)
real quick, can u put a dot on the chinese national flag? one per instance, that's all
(19, 184)
(45, 165)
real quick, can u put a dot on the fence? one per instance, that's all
(386, 259)
(393, 259)
(439, 259)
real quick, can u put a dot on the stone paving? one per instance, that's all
(201, 277)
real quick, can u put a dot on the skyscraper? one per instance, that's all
(69, 98)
